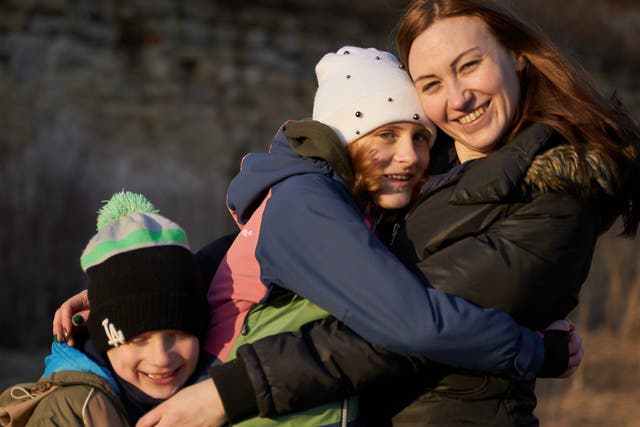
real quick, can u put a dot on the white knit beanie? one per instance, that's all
(360, 90)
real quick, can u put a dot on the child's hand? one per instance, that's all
(72, 314)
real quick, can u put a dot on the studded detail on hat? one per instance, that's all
(362, 89)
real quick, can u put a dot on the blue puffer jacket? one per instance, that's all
(311, 239)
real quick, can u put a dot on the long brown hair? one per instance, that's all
(554, 91)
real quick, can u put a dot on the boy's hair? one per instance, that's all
(142, 275)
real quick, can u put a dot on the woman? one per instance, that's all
(287, 205)
(543, 166)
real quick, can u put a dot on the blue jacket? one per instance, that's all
(311, 238)
(65, 358)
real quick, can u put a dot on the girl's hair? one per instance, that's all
(367, 176)
(554, 91)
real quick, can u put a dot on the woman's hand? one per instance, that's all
(73, 313)
(198, 405)
(575, 354)
(576, 351)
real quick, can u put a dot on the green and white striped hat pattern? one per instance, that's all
(126, 222)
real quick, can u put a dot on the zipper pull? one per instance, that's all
(394, 233)
(245, 323)
(377, 222)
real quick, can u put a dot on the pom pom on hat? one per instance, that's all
(129, 221)
(142, 274)
(122, 204)
(361, 89)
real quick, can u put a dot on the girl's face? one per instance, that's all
(468, 83)
(157, 362)
(398, 155)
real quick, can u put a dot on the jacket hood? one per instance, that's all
(558, 169)
(65, 362)
(538, 160)
(261, 171)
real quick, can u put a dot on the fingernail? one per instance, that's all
(78, 320)
(55, 338)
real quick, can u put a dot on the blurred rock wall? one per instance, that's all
(161, 97)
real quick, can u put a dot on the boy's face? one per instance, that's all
(156, 362)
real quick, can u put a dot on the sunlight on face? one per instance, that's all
(468, 83)
(156, 362)
(400, 154)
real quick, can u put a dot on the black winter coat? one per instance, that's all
(509, 231)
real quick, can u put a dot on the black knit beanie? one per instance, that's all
(142, 275)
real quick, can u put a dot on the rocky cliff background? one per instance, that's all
(164, 97)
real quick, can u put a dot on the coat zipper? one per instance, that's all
(343, 412)
(394, 233)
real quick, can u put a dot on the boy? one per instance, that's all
(149, 314)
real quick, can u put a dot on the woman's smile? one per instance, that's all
(473, 116)
(468, 83)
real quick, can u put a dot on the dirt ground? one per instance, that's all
(604, 392)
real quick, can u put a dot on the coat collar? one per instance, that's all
(537, 159)
(492, 178)
(310, 138)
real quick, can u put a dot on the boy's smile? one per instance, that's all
(158, 363)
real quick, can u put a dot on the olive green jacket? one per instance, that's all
(66, 398)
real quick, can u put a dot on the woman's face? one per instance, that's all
(399, 154)
(157, 362)
(468, 83)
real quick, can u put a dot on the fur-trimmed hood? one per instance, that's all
(514, 230)
(558, 169)
(539, 159)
